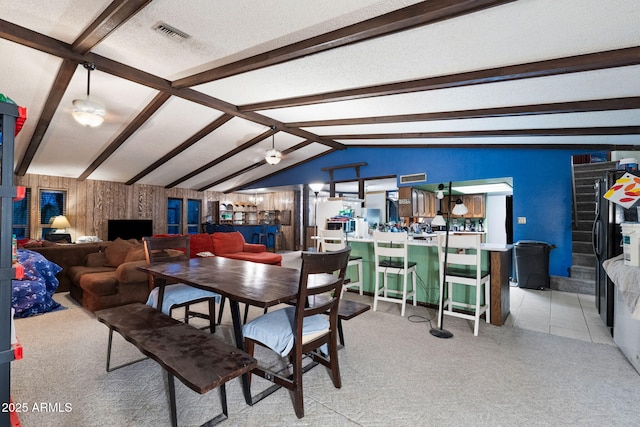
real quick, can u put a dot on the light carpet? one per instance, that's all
(394, 373)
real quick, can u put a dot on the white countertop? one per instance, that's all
(430, 240)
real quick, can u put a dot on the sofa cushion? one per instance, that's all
(254, 247)
(136, 253)
(74, 273)
(128, 272)
(199, 243)
(101, 284)
(227, 243)
(262, 257)
(116, 252)
(95, 259)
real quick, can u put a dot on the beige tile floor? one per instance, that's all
(558, 313)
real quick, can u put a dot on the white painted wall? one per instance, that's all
(496, 215)
(377, 200)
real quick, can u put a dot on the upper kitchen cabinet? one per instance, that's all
(474, 202)
(413, 202)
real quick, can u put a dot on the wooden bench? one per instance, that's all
(199, 359)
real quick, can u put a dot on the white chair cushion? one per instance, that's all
(178, 294)
(275, 329)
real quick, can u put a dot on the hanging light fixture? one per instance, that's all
(459, 208)
(85, 111)
(438, 220)
(273, 156)
(440, 193)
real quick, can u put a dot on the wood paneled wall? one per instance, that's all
(91, 203)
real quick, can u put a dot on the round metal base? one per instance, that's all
(441, 333)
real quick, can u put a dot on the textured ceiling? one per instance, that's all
(327, 76)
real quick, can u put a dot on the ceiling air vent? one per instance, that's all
(410, 179)
(170, 31)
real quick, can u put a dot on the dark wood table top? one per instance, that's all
(248, 282)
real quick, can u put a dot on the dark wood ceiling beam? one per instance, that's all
(26, 37)
(552, 67)
(206, 100)
(182, 147)
(225, 156)
(255, 165)
(258, 164)
(580, 146)
(604, 130)
(423, 13)
(60, 84)
(116, 14)
(611, 104)
(140, 119)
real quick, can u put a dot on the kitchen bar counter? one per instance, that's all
(424, 252)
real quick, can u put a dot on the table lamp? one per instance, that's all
(60, 223)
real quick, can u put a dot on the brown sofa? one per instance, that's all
(99, 275)
(110, 278)
(66, 256)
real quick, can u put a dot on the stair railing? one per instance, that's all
(574, 222)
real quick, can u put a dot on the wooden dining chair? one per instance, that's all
(333, 240)
(171, 249)
(298, 330)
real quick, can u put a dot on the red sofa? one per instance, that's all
(232, 245)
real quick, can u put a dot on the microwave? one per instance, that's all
(348, 226)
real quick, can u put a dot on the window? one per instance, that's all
(174, 216)
(21, 220)
(193, 216)
(52, 203)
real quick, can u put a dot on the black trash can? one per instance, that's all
(532, 264)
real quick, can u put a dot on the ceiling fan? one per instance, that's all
(86, 111)
(273, 156)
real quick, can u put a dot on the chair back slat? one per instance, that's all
(331, 240)
(390, 245)
(321, 273)
(464, 250)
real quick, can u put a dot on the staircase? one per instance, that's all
(581, 278)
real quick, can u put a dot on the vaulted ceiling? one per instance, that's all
(311, 77)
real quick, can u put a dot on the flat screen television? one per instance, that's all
(129, 228)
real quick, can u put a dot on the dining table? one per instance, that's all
(240, 281)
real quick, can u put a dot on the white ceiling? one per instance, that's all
(225, 31)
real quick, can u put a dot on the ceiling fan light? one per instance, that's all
(273, 156)
(87, 112)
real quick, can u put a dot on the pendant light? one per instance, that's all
(85, 111)
(273, 156)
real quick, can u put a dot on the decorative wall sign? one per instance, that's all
(625, 192)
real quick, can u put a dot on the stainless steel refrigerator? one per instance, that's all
(607, 241)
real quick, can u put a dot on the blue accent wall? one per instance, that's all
(541, 182)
